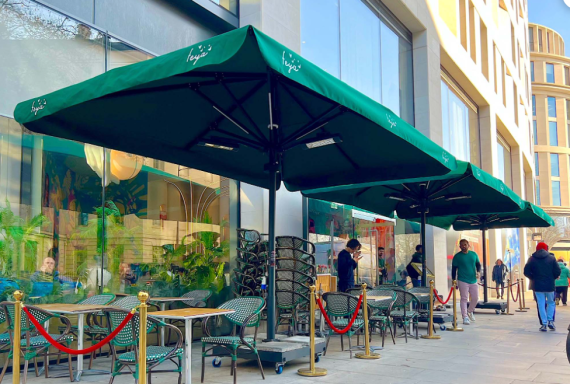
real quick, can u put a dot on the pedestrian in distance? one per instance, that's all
(466, 268)
(499, 276)
(543, 269)
(562, 283)
(417, 258)
(347, 262)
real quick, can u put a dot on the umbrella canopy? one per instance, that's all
(243, 106)
(530, 216)
(465, 190)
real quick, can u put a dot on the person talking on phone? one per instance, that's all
(347, 261)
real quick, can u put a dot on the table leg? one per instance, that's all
(187, 367)
(80, 335)
(162, 308)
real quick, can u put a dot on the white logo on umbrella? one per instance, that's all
(445, 157)
(391, 121)
(41, 105)
(291, 63)
(203, 51)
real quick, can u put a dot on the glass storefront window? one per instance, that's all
(453, 238)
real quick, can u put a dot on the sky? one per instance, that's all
(553, 14)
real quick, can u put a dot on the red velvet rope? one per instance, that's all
(78, 351)
(513, 296)
(329, 322)
(448, 297)
(494, 288)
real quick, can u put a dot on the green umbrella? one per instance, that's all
(467, 189)
(243, 106)
(530, 216)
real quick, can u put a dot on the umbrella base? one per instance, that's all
(497, 306)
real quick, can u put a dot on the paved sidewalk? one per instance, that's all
(494, 349)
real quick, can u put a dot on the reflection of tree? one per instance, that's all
(552, 235)
(405, 248)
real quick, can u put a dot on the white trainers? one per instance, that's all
(466, 320)
(471, 316)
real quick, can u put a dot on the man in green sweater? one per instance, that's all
(465, 268)
(562, 283)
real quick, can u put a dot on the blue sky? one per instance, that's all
(553, 14)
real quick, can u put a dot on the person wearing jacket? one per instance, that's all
(347, 262)
(412, 272)
(543, 269)
(499, 275)
(562, 283)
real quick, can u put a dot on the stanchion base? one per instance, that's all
(506, 313)
(520, 310)
(452, 329)
(309, 373)
(363, 355)
(432, 337)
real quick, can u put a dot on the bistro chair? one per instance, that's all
(340, 308)
(295, 242)
(294, 253)
(247, 314)
(128, 338)
(292, 301)
(380, 316)
(357, 291)
(402, 314)
(196, 299)
(33, 345)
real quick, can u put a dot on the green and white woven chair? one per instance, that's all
(196, 299)
(247, 314)
(340, 308)
(128, 338)
(403, 313)
(380, 316)
(33, 345)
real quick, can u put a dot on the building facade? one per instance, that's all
(458, 70)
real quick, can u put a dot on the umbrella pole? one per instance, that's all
(485, 290)
(423, 243)
(271, 248)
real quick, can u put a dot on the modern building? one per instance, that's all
(458, 70)
(550, 77)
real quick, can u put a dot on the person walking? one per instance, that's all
(382, 271)
(499, 275)
(347, 262)
(543, 269)
(417, 258)
(465, 268)
(562, 283)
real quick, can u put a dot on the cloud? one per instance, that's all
(567, 2)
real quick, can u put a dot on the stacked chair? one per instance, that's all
(295, 272)
(251, 263)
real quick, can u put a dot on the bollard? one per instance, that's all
(143, 306)
(522, 294)
(430, 334)
(508, 299)
(521, 309)
(455, 328)
(366, 354)
(312, 371)
(18, 295)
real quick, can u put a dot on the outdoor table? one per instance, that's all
(187, 314)
(163, 301)
(80, 310)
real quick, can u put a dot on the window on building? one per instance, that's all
(567, 109)
(540, 40)
(532, 71)
(460, 122)
(537, 185)
(548, 37)
(533, 105)
(504, 162)
(535, 132)
(556, 201)
(554, 165)
(551, 107)
(553, 133)
(536, 167)
(550, 73)
(567, 75)
(531, 39)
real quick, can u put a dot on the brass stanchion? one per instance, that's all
(312, 371)
(455, 328)
(143, 297)
(508, 299)
(18, 295)
(366, 354)
(521, 309)
(430, 334)
(523, 290)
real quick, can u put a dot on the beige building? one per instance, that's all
(550, 76)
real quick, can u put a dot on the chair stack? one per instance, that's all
(251, 263)
(295, 272)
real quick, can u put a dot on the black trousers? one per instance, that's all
(562, 294)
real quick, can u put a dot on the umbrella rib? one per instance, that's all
(242, 140)
(247, 115)
(296, 99)
(308, 128)
(447, 185)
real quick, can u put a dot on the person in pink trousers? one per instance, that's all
(465, 268)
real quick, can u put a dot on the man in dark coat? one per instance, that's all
(412, 272)
(347, 262)
(543, 269)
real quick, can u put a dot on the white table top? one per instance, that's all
(190, 313)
